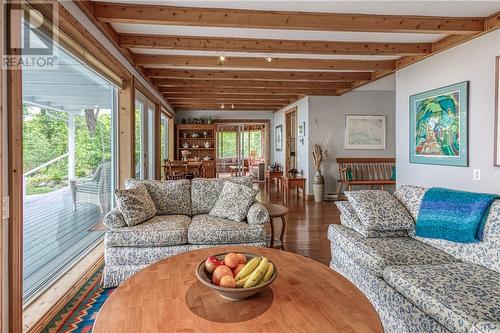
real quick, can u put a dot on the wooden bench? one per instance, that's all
(365, 172)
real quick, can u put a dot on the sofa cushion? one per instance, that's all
(349, 219)
(378, 210)
(234, 202)
(485, 327)
(375, 254)
(411, 197)
(135, 204)
(456, 294)
(114, 219)
(257, 214)
(161, 230)
(171, 197)
(206, 229)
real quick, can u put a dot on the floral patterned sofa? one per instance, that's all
(181, 224)
(419, 284)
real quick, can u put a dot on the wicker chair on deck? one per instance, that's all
(96, 189)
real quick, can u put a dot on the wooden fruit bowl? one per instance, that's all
(232, 294)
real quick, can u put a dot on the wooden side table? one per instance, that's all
(276, 211)
(270, 175)
(292, 182)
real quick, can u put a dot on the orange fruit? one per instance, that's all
(227, 282)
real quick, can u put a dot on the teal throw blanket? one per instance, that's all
(456, 216)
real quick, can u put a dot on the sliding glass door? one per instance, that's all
(68, 165)
(240, 149)
(163, 137)
(144, 137)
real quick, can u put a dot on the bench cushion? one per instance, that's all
(171, 197)
(349, 219)
(206, 229)
(375, 254)
(457, 295)
(160, 230)
(378, 210)
(205, 192)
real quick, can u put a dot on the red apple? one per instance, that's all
(212, 263)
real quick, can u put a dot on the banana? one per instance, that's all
(257, 274)
(241, 282)
(269, 273)
(248, 268)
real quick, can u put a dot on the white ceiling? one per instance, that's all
(388, 7)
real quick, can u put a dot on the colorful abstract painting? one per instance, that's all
(438, 126)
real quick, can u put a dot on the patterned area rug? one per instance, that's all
(79, 314)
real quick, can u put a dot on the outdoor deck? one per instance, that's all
(54, 235)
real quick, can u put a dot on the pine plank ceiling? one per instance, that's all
(274, 51)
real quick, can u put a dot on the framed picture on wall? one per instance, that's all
(302, 129)
(278, 137)
(364, 132)
(438, 126)
(497, 113)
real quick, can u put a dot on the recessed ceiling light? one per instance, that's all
(222, 106)
(232, 106)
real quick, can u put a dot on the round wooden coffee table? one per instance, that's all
(306, 297)
(276, 211)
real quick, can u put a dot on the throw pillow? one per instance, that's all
(349, 219)
(135, 204)
(171, 197)
(378, 210)
(205, 192)
(234, 201)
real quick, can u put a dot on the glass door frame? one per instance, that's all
(240, 150)
(147, 134)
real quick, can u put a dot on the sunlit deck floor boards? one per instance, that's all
(54, 235)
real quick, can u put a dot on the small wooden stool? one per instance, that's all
(292, 182)
(276, 211)
(270, 175)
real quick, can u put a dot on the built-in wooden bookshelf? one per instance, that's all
(200, 141)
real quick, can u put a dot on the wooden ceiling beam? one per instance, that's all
(217, 108)
(249, 91)
(235, 102)
(260, 19)
(255, 75)
(252, 97)
(269, 45)
(259, 62)
(250, 84)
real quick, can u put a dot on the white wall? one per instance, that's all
(302, 150)
(474, 62)
(327, 120)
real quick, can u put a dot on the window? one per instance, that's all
(69, 166)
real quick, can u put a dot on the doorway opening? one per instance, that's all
(290, 140)
(242, 149)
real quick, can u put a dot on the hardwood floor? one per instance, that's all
(307, 223)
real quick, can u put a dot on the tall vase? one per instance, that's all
(318, 186)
